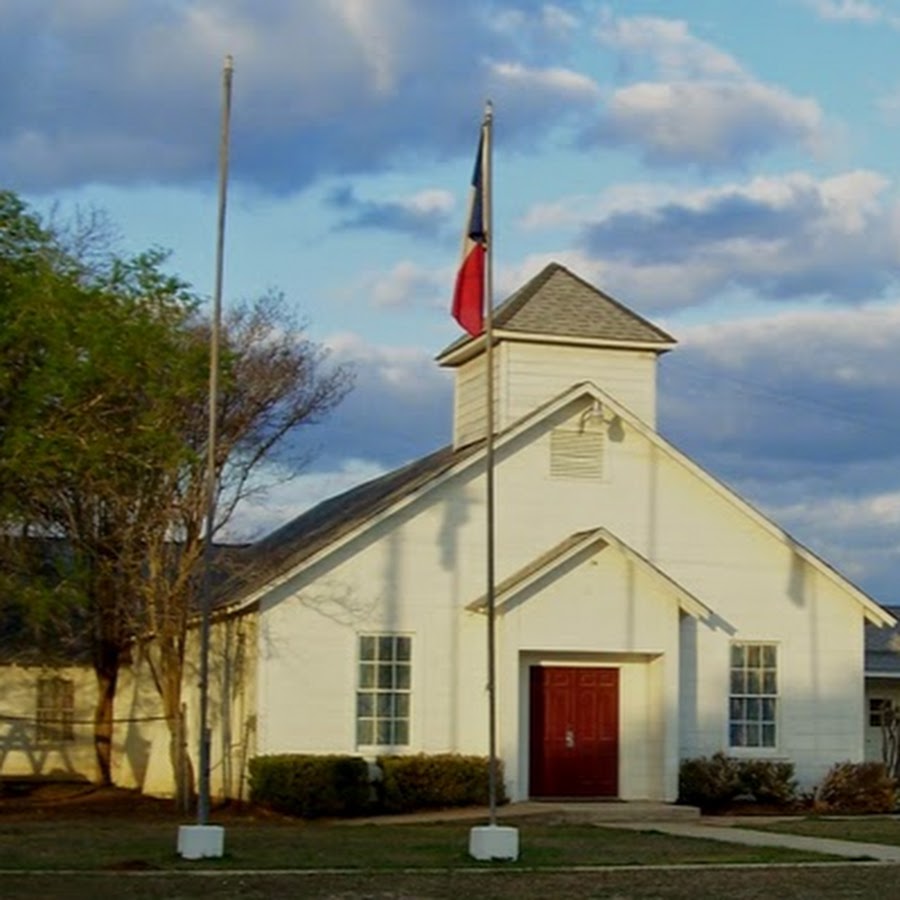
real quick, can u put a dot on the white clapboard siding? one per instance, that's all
(529, 374)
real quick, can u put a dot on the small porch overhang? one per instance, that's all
(582, 542)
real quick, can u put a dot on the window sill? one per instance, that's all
(757, 753)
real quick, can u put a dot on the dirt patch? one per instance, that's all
(49, 801)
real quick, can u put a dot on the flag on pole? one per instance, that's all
(468, 294)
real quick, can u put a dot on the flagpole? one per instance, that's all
(490, 842)
(204, 755)
(487, 212)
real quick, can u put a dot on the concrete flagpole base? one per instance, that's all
(488, 842)
(201, 841)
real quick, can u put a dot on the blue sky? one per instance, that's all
(729, 170)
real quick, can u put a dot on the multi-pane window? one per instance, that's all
(55, 710)
(879, 710)
(753, 700)
(383, 694)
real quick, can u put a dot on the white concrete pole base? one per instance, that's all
(487, 842)
(201, 841)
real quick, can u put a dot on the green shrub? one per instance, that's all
(433, 781)
(708, 782)
(857, 788)
(767, 781)
(311, 786)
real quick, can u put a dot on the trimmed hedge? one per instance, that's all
(409, 783)
(716, 781)
(857, 788)
(768, 781)
(311, 786)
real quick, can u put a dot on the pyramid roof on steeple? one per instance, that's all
(558, 304)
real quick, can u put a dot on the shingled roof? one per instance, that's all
(883, 647)
(302, 537)
(557, 303)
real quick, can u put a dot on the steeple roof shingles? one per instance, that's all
(557, 302)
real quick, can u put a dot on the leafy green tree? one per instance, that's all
(91, 367)
(103, 432)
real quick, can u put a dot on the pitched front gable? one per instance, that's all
(329, 526)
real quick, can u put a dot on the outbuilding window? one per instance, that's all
(54, 719)
(383, 692)
(753, 701)
(880, 710)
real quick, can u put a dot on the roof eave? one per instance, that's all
(458, 353)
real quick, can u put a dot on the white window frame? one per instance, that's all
(754, 702)
(383, 711)
(878, 708)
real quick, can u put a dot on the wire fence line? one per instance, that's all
(64, 720)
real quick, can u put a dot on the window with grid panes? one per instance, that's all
(55, 710)
(879, 709)
(383, 693)
(753, 701)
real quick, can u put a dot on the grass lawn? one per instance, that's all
(136, 845)
(871, 829)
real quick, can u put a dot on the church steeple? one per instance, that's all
(555, 331)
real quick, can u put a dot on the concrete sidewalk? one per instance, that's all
(736, 835)
(681, 821)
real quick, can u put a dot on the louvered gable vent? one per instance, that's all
(576, 453)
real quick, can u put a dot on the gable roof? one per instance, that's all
(557, 304)
(576, 543)
(300, 539)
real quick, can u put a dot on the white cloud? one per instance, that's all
(409, 371)
(686, 101)
(712, 123)
(552, 81)
(323, 87)
(836, 514)
(376, 34)
(429, 201)
(558, 21)
(853, 346)
(668, 44)
(407, 284)
(849, 11)
(781, 238)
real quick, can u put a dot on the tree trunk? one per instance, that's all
(106, 667)
(182, 769)
(171, 667)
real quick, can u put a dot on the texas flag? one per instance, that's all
(468, 295)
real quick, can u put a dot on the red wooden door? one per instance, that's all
(574, 732)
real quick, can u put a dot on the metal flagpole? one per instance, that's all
(489, 454)
(211, 480)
